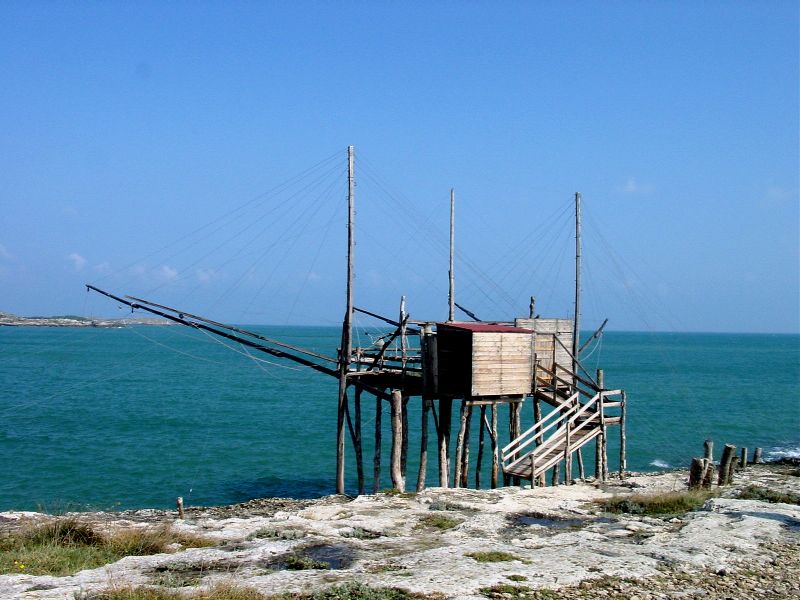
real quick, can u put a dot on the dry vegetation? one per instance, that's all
(351, 591)
(66, 546)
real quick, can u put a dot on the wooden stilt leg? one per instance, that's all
(398, 482)
(460, 445)
(376, 472)
(357, 442)
(404, 446)
(445, 418)
(423, 447)
(479, 462)
(465, 453)
(495, 448)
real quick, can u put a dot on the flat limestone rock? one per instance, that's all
(457, 543)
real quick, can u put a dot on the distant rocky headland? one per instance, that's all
(11, 320)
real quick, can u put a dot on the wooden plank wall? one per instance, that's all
(501, 364)
(544, 347)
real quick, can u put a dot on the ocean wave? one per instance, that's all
(661, 464)
(783, 452)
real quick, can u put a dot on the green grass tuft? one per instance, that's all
(227, 591)
(398, 493)
(755, 492)
(299, 562)
(492, 556)
(439, 522)
(667, 503)
(222, 591)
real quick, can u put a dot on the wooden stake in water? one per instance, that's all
(708, 447)
(728, 454)
(179, 504)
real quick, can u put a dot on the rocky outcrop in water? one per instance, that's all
(11, 320)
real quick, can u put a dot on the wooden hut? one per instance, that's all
(482, 359)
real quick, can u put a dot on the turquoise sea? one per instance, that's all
(134, 417)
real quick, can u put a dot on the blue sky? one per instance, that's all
(125, 128)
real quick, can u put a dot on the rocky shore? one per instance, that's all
(545, 543)
(11, 320)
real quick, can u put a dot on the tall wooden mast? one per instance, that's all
(452, 275)
(347, 324)
(576, 331)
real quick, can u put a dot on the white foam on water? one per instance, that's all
(661, 464)
(783, 452)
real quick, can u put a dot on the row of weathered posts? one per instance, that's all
(702, 471)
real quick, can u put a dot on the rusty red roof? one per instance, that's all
(484, 327)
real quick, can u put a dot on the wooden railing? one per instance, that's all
(569, 418)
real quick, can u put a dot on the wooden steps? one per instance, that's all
(566, 429)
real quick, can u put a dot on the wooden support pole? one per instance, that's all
(403, 359)
(725, 464)
(376, 463)
(423, 446)
(757, 456)
(598, 449)
(576, 325)
(514, 428)
(576, 332)
(465, 453)
(404, 441)
(460, 445)
(554, 477)
(623, 466)
(445, 418)
(347, 324)
(537, 413)
(743, 459)
(357, 441)
(495, 448)
(568, 457)
(398, 481)
(479, 461)
(708, 449)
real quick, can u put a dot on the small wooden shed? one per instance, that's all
(481, 359)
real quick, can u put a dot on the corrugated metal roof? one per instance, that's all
(484, 327)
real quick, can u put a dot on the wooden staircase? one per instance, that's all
(578, 417)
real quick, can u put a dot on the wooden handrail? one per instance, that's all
(540, 423)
